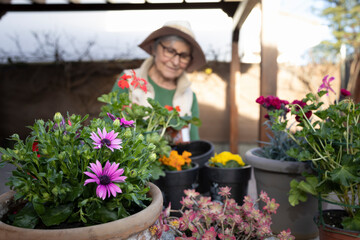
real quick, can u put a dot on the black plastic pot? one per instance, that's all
(235, 178)
(201, 151)
(175, 182)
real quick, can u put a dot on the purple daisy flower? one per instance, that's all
(107, 139)
(326, 85)
(105, 178)
(125, 123)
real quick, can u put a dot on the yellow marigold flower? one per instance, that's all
(208, 71)
(225, 156)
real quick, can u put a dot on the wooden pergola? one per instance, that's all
(238, 10)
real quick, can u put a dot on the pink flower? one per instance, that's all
(108, 140)
(285, 235)
(271, 206)
(326, 85)
(209, 234)
(105, 178)
(191, 193)
(225, 191)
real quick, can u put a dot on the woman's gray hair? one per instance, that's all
(170, 38)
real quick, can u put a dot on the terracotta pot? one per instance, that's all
(235, 178)
(328, 232)
(274, 177)
(132, 227)
(175, 182)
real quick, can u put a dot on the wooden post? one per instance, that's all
(234, 76)
(269, 54)
(243, 10)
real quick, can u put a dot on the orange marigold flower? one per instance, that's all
(175, 160)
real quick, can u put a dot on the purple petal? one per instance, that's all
(113, 168)
(115, 146)
(112, 117)
(116, 141)
(106, 168)
(119, 179)
(109, 147)
(104, 133)
(116, 173)
(89, 181)
(97, 168)
(114, 189)
(95, 137)
(101, 191)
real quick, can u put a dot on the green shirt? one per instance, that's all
(165, 97)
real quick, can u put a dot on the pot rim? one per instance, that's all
(325, 225)
(146, 216)
(195, 167)
(273, 165)
(243, 167)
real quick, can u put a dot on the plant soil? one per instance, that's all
(334, 218)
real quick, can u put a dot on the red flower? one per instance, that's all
(307, 114)
(136, 82)
(345, 92)
(35, 148)
(170, 108)
(260, 100)
(123, 83)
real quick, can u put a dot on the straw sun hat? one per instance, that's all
(181, 29)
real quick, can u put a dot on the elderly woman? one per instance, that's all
(174, 51)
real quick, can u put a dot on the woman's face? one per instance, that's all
(172, 58)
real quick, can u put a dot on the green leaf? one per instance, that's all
(232, 164)
(56, 215)
(343, 176)
(352, 223)
(26, 217)
(295, 194)
(309, 186)
(104, 215)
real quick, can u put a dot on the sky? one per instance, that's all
(117, 33)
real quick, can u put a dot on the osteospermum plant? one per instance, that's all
(69, 173)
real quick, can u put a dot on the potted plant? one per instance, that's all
(180, 174)
(330, 140)
(201, 151)
(82, 181)
(227, 169)
(201, 218)
(274, 169)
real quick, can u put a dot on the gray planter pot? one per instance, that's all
(273, 177)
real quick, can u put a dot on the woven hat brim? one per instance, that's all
(198, 59)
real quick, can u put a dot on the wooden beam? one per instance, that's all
(234, 78)
(39, 1)
(269, 54)
(242, 12)
(5, 1)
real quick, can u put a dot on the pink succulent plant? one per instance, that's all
(201, 218)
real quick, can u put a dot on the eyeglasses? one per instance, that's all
(168, 52)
